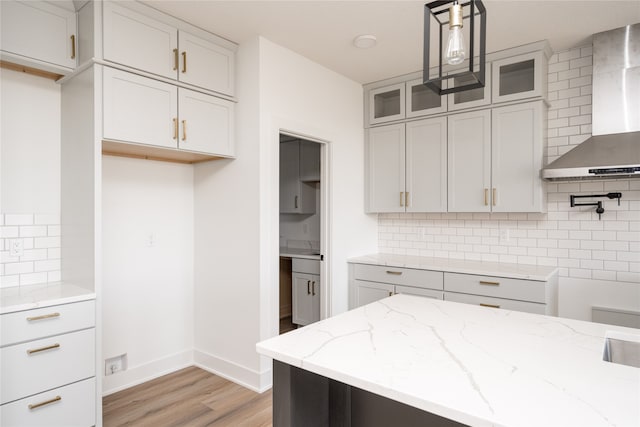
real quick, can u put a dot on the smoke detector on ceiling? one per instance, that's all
(365, 41)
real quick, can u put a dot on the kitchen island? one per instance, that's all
(417, 361)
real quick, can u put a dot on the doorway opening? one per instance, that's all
(302, 283)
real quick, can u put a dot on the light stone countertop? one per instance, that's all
(21, 298)
(499, 269)
(475, 365)
(300, 253)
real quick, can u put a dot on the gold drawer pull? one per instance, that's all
(486, 197)
(184, 62)
(184, 130)
(484, 282)
(390, 293)
(397, 273)
(490, 305)
(313, 288)
(46, 402)
(175, 59)
(175, 128)
(44, 316)
(308, 287)
(38, 350)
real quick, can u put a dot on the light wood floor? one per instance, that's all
(189, 397)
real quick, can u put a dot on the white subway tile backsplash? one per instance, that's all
(47, 219)
(33, 278)
(18, 219)
(9, 232)
(18, 268)
(33, 231)
(9, 281)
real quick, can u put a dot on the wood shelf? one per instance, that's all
(146, 152)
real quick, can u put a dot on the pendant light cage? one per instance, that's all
(439, 12)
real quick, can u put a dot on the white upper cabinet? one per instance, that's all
(139, 110)
(520, 77)
(139, 41)
(385, 167)
(38, 34)
(309, 161)
(426, 165)
(469, 162)
(206, 123)
(206, 64)
(517, 156)
(387, 103)
(296, 196)
(469, 98)
(422, 101)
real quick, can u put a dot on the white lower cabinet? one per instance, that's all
(145, 111)
(69, 406)
(485, 301)
(48, 366)
(306, 291)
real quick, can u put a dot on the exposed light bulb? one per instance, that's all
(456, 52)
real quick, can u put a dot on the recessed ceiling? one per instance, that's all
(323, 31)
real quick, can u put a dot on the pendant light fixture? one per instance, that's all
(451, 13)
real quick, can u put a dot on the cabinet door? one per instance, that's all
(427, 293)
(206, 123)
(386, 168)
(368, 292)
(139, 110)
(206, 64)
(309, 161)
(426, 165)
(519, 77)
(422, 101)
(469, 161)
(303, 299)
(138, 41)
(289, 174)
(470, 98)
(315, 298)
(517, 154)
(38, 31)
(386, 103)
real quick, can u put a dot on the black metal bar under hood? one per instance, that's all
(614, 149)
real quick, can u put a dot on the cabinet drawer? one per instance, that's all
(44, 364)
(399, 276)
(428, 293)
(309, 266)
(76, 407)
(44, 322)
(507, 304)
(500, 287)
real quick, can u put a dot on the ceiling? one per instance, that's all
(323, 31)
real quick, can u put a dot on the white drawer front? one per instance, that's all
(428, 293)
(28, 325)
(75, 408)
(399, 276)
(507, 304)
(499, 287)
(302, 265)
(61, 360)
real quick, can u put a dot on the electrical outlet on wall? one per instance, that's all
(504, 234)
(115, 364)
(16, 247)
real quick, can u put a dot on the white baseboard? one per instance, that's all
(246, 377)
(142, 373)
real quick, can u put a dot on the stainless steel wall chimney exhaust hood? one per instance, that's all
(614, 149)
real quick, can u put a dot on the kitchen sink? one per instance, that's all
(622, 348)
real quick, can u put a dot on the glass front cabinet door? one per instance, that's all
(519, 77)
(473, 97)
(387, 104)
(422, 101)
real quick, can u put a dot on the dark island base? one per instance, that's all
(304, 399)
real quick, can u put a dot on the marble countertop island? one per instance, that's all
(475, 365)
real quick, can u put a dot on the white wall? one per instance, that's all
(29, 178)
(236, 269)
(147, 297)
(598, 260)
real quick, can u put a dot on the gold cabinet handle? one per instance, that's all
(486, 196)
(44, 316)
(313, 288)
(402, 198)
(484, 282)
(494, 195)
(175, 128)
(73, 46)
(489, 305)
(184, 130)
(308, 288)
(38, 350)
(295, 202)
(397, 273)
(184, 62)
(390, 293)
(46, 402)
(175, 59)
(406, 199)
